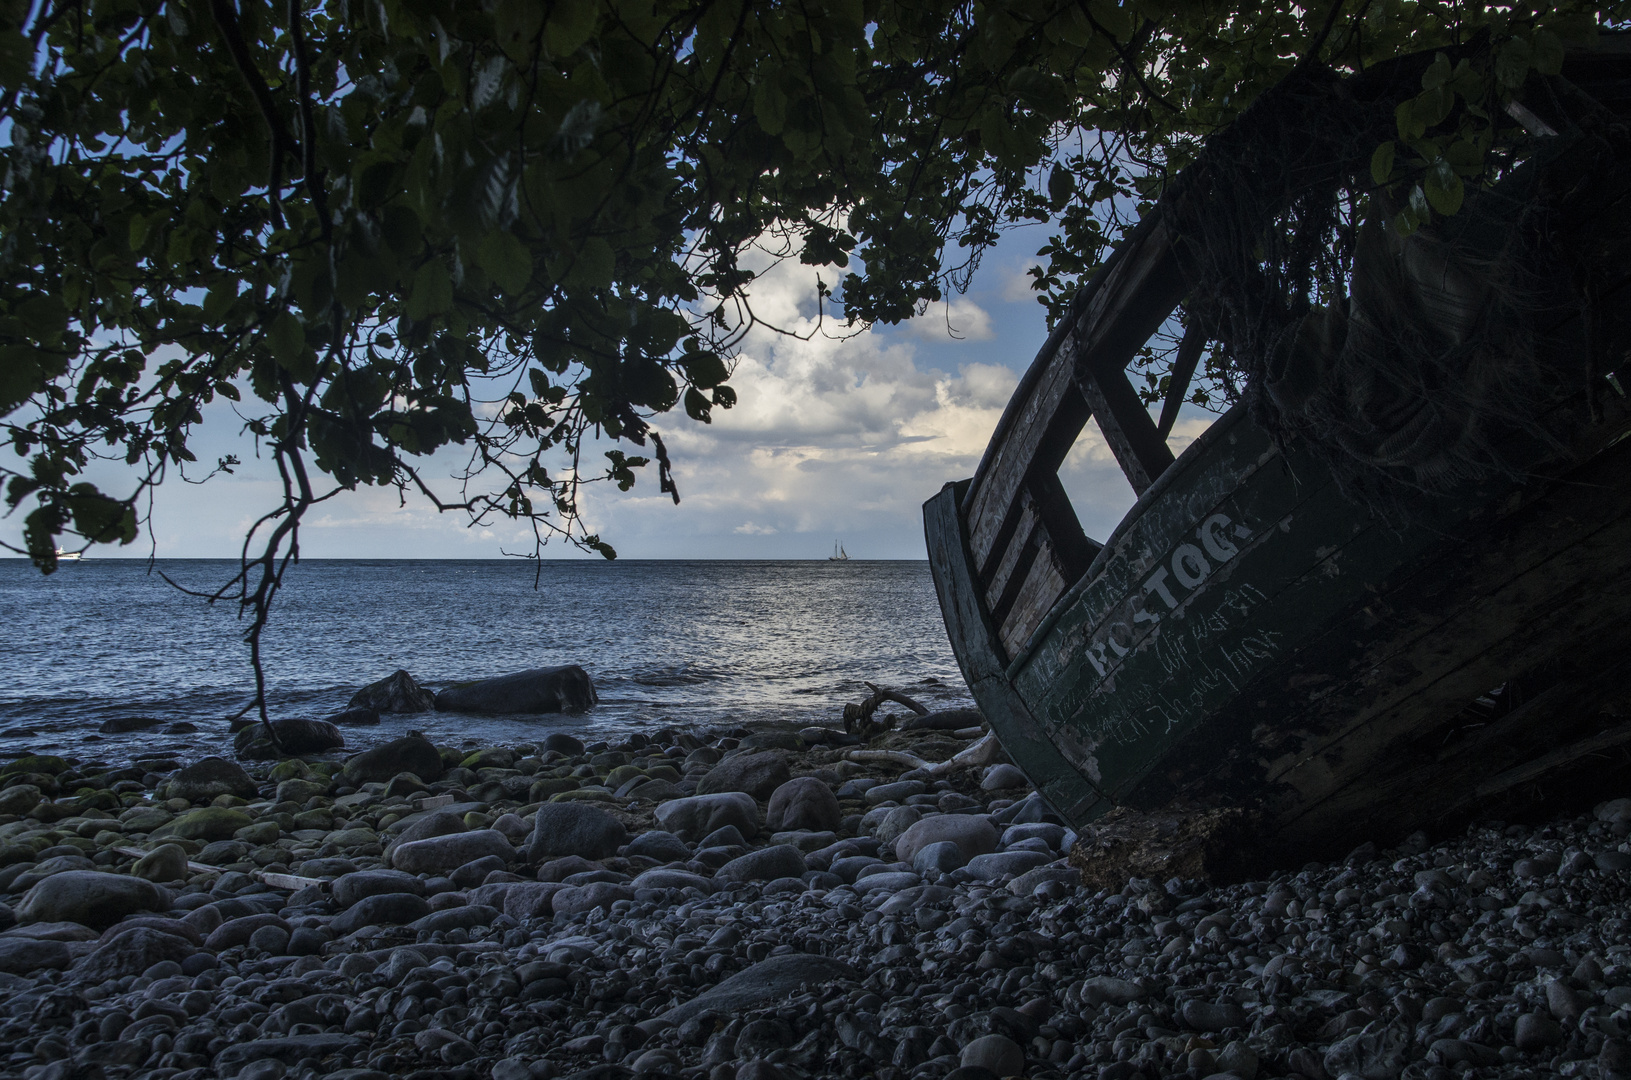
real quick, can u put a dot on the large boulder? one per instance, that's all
(570, 828)
(766, 864)
(757, 774)
(803, 803)
(972, 833)
(540, 690)
(294, 736)
(131, 953)
(91, 898)
(348, 889)
(207, 823)
(19, 799)
(25, 955)
(445, 854)
(167, 862)
(396, 693)
(381, 909)
(695, 817)
(436, 823)
(412, 753)
(660, 845)
(203, 780)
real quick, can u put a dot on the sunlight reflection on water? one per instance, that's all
(683, 643)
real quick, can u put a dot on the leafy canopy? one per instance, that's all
(384, 227)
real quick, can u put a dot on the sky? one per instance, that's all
(836, 439)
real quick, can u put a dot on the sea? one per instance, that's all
(684, 644)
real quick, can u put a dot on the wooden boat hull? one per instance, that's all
(1249, 638)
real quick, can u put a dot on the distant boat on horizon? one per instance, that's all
(69, 556)
(838, 553)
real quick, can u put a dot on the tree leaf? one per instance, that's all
(506, 260)
(99, 518)
(1548, 53)
(431, 292)
(770, 106)
(516, 23)
(704, 369)
(286, 338)
(569, 25)
(595, 263)
(1409, 124)
(1443, 189)
(1512, 62)
(23, 374)
(1437, 73)
(1381, 162)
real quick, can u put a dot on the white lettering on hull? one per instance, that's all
(1186, 569)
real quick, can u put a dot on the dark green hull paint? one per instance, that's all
(1249, 637)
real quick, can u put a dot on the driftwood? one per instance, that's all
(983, 752)
(858, 717)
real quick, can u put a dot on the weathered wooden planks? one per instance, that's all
(1025, 541)
(975, 644)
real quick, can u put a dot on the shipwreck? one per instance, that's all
(1390, 587)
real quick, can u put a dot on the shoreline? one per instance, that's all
(754, 905)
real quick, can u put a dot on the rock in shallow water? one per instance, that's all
(396, 693)
(539, 690)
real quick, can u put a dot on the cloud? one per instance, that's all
(1016, 286)
(959, 319)
(837, 436)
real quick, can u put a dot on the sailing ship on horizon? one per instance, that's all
(838, 553)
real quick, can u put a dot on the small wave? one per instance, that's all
(675, 675)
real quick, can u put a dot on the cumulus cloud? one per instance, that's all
(837, 437)
(1016, 285)
(958, 319)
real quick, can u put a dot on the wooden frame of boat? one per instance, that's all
(1247, 637)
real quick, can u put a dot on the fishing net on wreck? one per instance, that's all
(1410, 363)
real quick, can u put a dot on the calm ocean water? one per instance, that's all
(691, 644)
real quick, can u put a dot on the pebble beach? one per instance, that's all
(752, 904)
